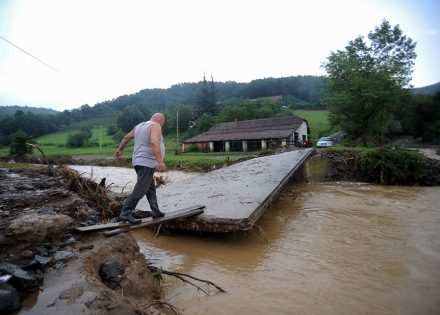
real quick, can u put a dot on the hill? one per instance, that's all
(10, 110)
(305, 90)
(427, 90)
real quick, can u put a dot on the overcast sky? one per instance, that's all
(103, 49)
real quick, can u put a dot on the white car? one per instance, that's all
(324, 142)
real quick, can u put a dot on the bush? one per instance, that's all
(79, 139)
(18, 144)
(76, 140)
(391, 165)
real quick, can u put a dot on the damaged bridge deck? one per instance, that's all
(235, 197)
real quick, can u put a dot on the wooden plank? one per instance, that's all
(115, 225)
(106, 226)
(185, 213)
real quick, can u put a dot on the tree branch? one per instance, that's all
(181, 277)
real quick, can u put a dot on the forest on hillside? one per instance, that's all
(427, 90)
(198, 106)
(10, 110)
(299, 92)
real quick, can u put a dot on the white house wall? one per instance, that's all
(302, 130)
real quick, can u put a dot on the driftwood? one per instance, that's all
(182, 276)
(95, 195)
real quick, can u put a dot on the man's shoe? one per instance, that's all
(157, 214)
(129, 218)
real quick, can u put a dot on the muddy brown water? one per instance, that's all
(321, 248)
(338, 248)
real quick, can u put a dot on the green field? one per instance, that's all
(318, 123)
(104, 146)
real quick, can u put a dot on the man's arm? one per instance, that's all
(127, 138)
(155, 134)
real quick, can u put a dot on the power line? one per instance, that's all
(39, 60)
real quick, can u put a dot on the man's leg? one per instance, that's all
(152, 200)
(144, 179)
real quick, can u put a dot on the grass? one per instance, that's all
(318, 121)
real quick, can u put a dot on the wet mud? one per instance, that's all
(46, 268)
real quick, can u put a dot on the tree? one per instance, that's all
(367, 81)
(18, 144)
(422, 117)
(129, 118)
(206, 101)
(111, 130)
(205, 122)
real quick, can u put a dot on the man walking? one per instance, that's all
(148, 153)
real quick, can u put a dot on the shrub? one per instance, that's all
(391, 165)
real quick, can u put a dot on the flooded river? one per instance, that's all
(323, 248)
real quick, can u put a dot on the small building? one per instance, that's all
(251, 135)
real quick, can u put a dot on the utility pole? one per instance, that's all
(177, 129)
(100, 138)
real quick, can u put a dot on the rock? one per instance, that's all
(42, 251)
(81, 213)
(111, 272)
(43, 261)
(38, 262)
(68, 240)
(9, 298)
(46, 210)
(26, 187)
(29, 230)
(27, 254)
(21, 279)
(63, 255)
(59, 265)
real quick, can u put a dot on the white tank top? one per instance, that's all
(142, 152)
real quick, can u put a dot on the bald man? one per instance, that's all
(148, 153)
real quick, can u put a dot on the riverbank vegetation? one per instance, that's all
(393, 166)
(388, 165)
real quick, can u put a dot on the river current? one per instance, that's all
(320, 248)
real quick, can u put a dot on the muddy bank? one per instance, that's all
(40, 255)
(78, 288)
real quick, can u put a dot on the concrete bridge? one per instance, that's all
(235, 196)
